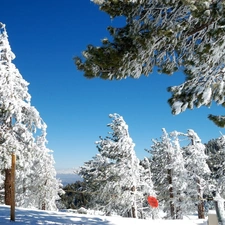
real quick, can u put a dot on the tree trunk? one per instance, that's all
(134, 212)
(7, 184)
(13, 177)
(43, 206)
(201, 209)
(134, 207)
(172, 208)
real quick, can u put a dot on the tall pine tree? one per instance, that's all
(120, 182)
(119, 148)
(198, 170)
(170, 174)
(20, 125)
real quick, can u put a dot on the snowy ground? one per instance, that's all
(25, 216)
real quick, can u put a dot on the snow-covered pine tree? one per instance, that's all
(167, 35)
(24, 163)
(115, 178)
(217, 164)
(37, 185)
(215, 150)
(185, 207)
(46, 188)
(169, 174)
(20, 124)
(119, 148)
(96, 173)
(198, 170)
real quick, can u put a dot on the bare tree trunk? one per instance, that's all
(134, 212)
(172, 208)
(43, 206)
(13, 177)
(201, 209)
(7, 184)
(134, 207)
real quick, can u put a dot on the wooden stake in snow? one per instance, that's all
(13, 173)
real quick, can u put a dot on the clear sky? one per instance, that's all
(45, 35)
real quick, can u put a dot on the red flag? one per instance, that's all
(153, 202)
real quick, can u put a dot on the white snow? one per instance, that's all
(29, 216)
(177, 107)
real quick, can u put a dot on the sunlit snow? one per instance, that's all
(28, 216)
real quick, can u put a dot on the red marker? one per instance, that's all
(153, 202)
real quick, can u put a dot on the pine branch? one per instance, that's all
(218, 120)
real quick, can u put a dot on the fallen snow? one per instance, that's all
(28, 216)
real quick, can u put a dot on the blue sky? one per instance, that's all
(45, 35)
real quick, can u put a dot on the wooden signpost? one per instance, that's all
(13, 173)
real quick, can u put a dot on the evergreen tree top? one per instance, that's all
(169, 35)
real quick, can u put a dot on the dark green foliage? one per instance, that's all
(149, 39)
(167, 35)
(218, 120)
(75, 195)
(105, 61)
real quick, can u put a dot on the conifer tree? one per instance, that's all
(198, 170)
(96, 173)
(185, 169)
(119, 148)
(216, 155)
(169, 174)
(20, 124)
(170, 35)
(46, 188)
(215, 150)
(217, 164)
(119, 181)
(180, 174)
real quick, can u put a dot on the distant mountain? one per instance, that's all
(67, 176)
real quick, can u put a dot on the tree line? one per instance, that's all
(180, 171)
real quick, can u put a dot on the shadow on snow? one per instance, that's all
(28, 216)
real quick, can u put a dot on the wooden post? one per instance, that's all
(13, 173)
